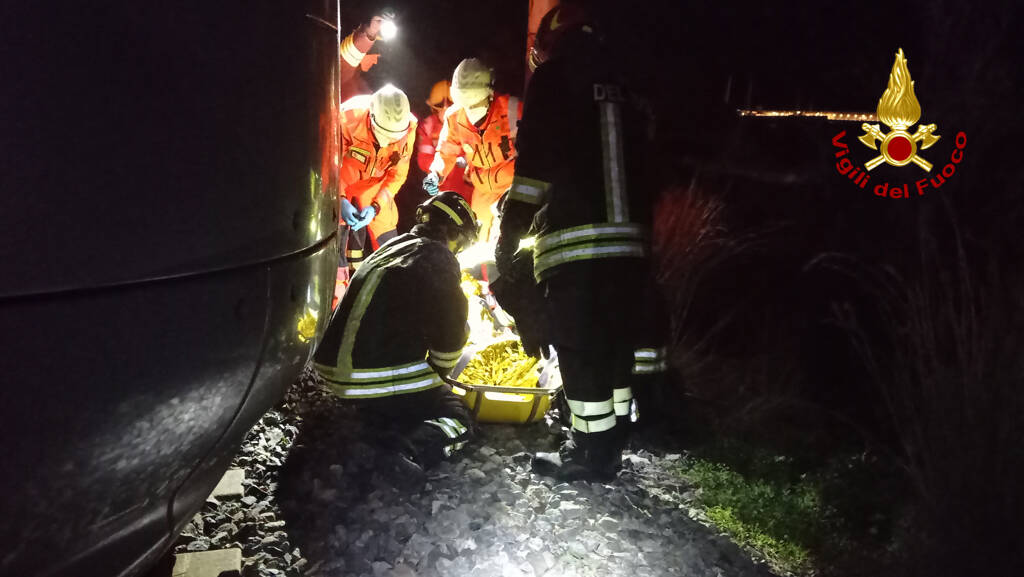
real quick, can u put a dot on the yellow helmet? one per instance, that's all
(389, 114)
(471, 83)
(440, 96)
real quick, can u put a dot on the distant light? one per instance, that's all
(830, 115)
(388, 30)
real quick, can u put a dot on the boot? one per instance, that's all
(593, 457)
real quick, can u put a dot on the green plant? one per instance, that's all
(779, 519)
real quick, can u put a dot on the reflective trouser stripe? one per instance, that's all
(449, 449)
(590, 408)
(616, 202)
(528, 190)
(623, 397)
(597, 425)
(650, 360)
(453, 429)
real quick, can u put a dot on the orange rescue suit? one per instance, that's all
(489, 150)
(427, 136)
(370, 174)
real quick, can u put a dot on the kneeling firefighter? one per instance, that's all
(388, 348)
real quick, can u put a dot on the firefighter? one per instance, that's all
(427, 135)
(579, 190)
(389, 349)
(376, 147)
(481, 126)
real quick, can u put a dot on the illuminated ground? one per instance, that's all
(315, 506)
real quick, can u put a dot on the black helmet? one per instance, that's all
(449, 210)
(555, 25)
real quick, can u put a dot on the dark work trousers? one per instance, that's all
(357, 245)
(428, 426)
(595, 320)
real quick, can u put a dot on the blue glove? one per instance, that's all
(432, 183)
(348, 212)
(365, 217)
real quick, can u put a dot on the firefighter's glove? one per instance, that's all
(349, 213)
(432, 183)
(365, 217)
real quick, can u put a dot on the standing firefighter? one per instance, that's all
(376, 147)
(388, 347)
(482, 127)
(578, 188)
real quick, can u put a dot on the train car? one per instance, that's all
(168, 245)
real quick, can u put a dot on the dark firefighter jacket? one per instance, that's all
(578, 180)
(403, 308)
(580, 190)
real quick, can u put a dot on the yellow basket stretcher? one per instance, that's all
(519, 405)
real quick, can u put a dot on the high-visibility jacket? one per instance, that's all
(385, 339)
(352, 53)
(427, 135)
(368, 173)
(490, 151)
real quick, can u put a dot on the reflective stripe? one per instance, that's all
(647, 368)
(590, 232)
(448, 210)
(365, 392)
(590, 408)
(623, 399)
(596, 426)
(658, 353)
(444, 364)
(350, 53)
(528, 190)
(585, 252)
(388, 372)
(354, 253)
(454, 424)
(513, 116)
(445, 427)
(449, 449)
(446, 356)
(614, 184)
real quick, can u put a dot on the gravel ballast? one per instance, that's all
(315, 505)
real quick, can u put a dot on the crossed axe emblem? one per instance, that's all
(924, 136)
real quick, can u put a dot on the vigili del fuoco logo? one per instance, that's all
(899, 110)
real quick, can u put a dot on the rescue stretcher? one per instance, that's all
(499, 404)
(504, 404)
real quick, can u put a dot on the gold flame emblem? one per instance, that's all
(899, 110)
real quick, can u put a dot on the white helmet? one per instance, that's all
(471, 83)
(389, 114)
